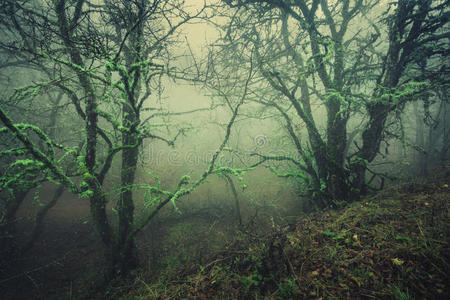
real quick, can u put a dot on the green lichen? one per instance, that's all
(87, 194)
(88, 176)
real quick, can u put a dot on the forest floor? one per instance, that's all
(392, 245)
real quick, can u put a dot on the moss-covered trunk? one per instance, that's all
(125, 258)
(93, 188)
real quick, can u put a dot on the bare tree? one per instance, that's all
(314, 56)
(109, 59)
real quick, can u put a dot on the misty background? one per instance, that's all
(152, 133)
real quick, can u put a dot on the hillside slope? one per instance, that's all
(393, 245)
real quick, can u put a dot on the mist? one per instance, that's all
(224, 149)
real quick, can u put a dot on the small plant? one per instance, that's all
(287, 289)
(335, 236)
(402, 238)
(248, 282)
(332, 252)
(219, 273)
(399, 294)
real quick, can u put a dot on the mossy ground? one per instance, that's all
(393, 245)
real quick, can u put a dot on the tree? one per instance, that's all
(108, 58)
(432, 132)
(19, 173)
(314, 54)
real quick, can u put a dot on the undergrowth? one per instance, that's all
(394, 245)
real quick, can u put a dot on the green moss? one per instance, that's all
(87, 194)
(88, 176)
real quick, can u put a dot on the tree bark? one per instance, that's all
(126, 258)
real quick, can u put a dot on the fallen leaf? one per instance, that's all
(398, 261)
(355, 279)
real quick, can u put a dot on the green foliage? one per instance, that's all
(36, 197)
(287, 289)
(40, 133)
(87, 194)
(14, 152)
(81, 165)
(339, 203)
(402, 93)
(402, 238)
(335, 236)
(25, 163)
(22, 175)
(401, 294)
(88, 176)
(248, 282)
(69, 152)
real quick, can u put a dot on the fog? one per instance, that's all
(151, 135)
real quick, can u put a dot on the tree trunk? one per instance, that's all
(124, 253)
(421, 156)
(126, 258)
(236, 199)
(371, 139)
(38, 223)
(7, 221)
(337, 182)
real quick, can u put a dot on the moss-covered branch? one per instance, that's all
(60, 176)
